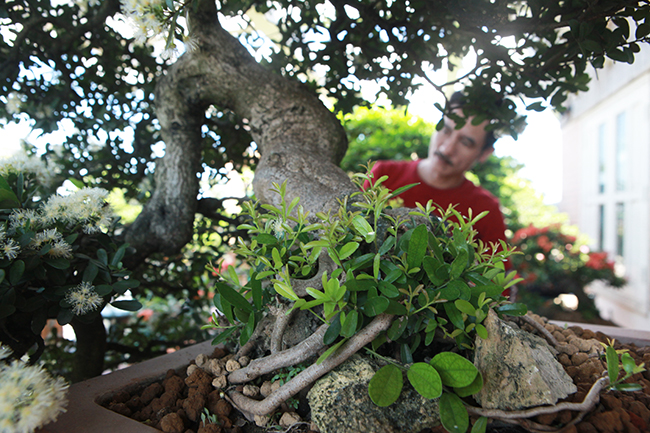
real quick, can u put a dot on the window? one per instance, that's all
(601, 158)
(601, 227)
(620, 229)
(621, 152)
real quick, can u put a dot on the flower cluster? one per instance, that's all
(147, 17)
(553, 262)
(83, 299)
(29, 396)
(57, 257)
(29, 166)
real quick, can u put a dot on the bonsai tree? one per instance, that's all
(217, 104)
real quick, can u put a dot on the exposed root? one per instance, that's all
(294, 355)
(252, 341)
(590, 401)
(541, 329)
(313, 372)
(282, 319)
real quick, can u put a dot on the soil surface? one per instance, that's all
(177, 404)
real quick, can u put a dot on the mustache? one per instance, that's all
(443, 157)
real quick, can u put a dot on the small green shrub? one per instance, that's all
(430, 273)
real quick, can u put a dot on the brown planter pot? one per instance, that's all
(84, 411)
(86, 415)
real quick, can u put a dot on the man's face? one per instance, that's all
(454, 151)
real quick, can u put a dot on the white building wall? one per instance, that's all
(619, 89)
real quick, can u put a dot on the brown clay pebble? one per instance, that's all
(151, 392)
(120, 408)
(607, 422)
(579, 358)
(193, 406)
(172, 423)
(210, 428)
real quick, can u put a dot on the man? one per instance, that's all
(441, 176)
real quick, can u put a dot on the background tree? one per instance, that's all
(67, 64)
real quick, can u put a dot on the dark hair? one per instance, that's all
(457, 100)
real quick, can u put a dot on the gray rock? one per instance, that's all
(518, 369)
(340, 403)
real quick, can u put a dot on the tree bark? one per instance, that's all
(299, 139)
(90, 349)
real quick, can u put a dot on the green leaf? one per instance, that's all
(65, 316)
(628, 387)
(425, 380)
(387, 245)
(224, 307)
(516, 309)
(459, 264)
(481, 331)
(6, 310)
(388, 289)
(453, 414)
(8, 199)
(348, 249)
(455, 317)
(375, 306)
(464, 292)
(431, 265)
(16, 272)
(330, 351)
(2, 275)
(472, 388)
(480, 426)
(465, 307)
(397, 328)
(417, 247)
(612, 363)
(102, 256)
(58, 263)
(223, 336)
(333, 331)
(628, 363)
(349, 326)
(285, 290)
(127, 304)
(362, 226)
(233, 297)
(386, 385)
(455, 370)
(103, 289)
(90, 272)
(277, 260)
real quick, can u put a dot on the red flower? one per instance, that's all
(544, 243)
(524, 233)
(598, 261)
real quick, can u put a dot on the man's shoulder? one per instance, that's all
(391, 165)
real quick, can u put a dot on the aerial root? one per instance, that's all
(257, 367)
(541, 329)
(520, 417)
(250, 406)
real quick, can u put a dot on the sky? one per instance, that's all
(539, 147)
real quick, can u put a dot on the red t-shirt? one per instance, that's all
(490, 228)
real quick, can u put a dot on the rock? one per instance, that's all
(201, 360)
(251, 390)
(172, 423)
(288, 419)
(518, 369)
(220, 382)
(151, 392)
(266, 388)
(232, 365)
(340, 403)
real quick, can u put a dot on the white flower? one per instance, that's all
(86, 207)
(46, 236)
(28, 165)
(4, 352)
(23, 218)
(29, 397)
(83, 299)
(61, 249)
(10, 249)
